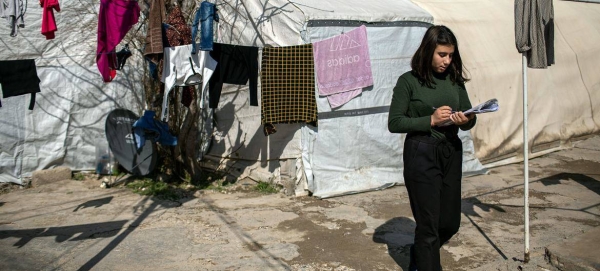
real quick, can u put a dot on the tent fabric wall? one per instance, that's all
(69, 114)
(70, 110)
(563, 99)
(283, 23)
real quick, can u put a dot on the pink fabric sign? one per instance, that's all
(339, 99)
(342, 63)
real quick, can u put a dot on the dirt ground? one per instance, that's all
(76, 225)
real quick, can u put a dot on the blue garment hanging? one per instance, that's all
(205, 15)
(158, 131)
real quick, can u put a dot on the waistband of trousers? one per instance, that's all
(427, 138)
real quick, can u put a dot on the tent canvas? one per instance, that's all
(70, 111)
(74, 101)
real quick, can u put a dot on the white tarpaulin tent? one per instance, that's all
(69, 115)
(70, 111)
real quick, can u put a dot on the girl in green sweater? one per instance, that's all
(427, 105)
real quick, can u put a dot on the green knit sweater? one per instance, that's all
(413, 104)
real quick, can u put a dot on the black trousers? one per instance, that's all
(432, 175)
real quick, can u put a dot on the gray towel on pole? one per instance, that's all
(534, 31)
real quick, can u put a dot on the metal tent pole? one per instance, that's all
(525, 160)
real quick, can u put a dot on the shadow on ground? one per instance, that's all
(398, 234)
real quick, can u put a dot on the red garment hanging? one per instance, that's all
(48, 22)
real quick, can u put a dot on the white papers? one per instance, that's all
(485, 107)
(488, 106)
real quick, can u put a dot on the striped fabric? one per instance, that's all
(287, 86)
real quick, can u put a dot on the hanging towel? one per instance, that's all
(115, 19)
(182, 68)
(48, 22)
(19, 77)
(534, 31)
(153, 49)
(13, 11)
(237, 65)
(287, 86)
(342, 64)
(339, 99)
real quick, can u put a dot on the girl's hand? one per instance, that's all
(459, 118)
(440, 115)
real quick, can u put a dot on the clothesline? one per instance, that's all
(65, 56)
(139, 49)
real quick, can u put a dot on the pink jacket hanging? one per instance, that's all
(115, 19)
(48, 22)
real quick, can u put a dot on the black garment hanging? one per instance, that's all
(237, 65)
(122, 57)
(19, 77)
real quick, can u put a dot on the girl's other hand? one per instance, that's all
(459, 118)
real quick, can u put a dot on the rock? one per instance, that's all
(45, 176)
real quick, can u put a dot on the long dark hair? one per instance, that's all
(421, 60)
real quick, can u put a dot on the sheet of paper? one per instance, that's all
(485, 107)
